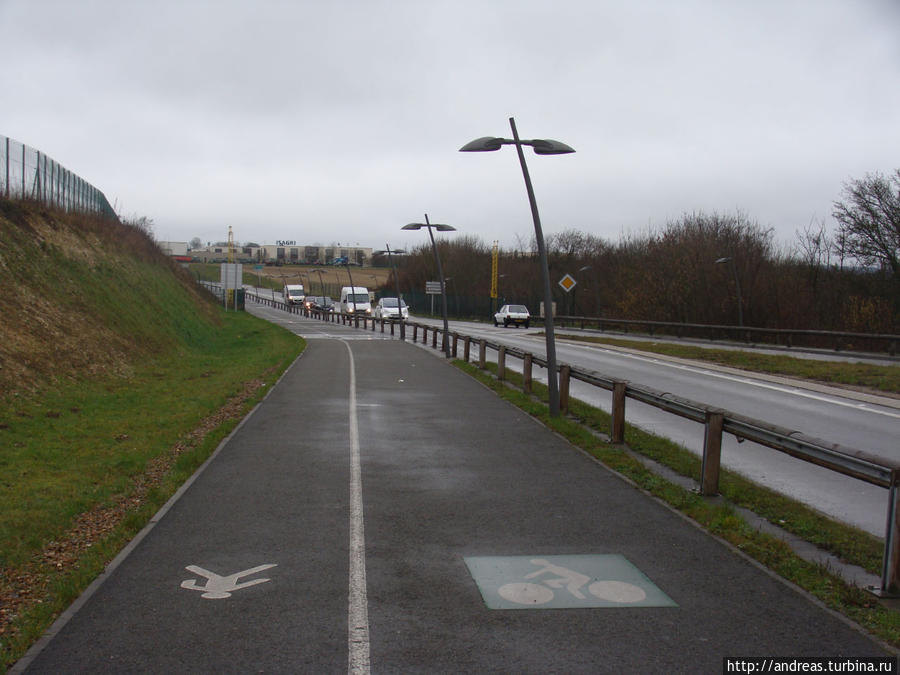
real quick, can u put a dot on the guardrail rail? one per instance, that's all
(787, 337)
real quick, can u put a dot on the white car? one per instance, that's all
(387, 309)
(516, 315)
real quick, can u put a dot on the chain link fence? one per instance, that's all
(26, 173)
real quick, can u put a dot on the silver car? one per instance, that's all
(387, 309)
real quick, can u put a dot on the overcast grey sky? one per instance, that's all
(340, 121)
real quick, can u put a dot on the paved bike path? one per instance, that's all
(463, 496)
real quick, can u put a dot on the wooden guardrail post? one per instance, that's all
(434, 334)
(482, 356)
(455, 344)
(526, 372)
(564, 376)
(712, 453)
(415, 332)
(467, 348)
(501, 362)
(618, 412)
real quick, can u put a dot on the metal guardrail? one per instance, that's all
(789, 337)
(848, 461)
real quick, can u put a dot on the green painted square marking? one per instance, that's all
(563, 581)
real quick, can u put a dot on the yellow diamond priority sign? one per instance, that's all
(567, 282)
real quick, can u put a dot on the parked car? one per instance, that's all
(516, 315)
(387, 309)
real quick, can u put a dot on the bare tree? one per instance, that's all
(869, 220)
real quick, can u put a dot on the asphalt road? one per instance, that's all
(829, 413)
(382, 512)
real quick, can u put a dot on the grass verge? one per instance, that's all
(85, 465)
(872, 376)
(581, 428)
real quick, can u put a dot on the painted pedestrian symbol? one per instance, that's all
(525, 582)
(219, 587)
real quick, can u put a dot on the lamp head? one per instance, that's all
(483, 144)
(548, 147)
(440, 227)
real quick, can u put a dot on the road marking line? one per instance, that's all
(785, 389)
(358, 611)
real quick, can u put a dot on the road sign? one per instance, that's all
(230, 275)
(567, 282)
(433, 287)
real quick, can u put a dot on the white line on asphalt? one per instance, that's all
(764, 385)
(358, 613)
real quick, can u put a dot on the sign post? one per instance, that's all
(568, 283)
(231, 278)
(432, 288)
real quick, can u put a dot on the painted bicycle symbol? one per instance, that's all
(549, 578)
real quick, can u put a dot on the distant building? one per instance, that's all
(173, 247)
(276, 254)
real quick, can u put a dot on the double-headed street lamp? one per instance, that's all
(440, 228)
(541, 147)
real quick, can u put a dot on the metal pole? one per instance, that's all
(397, 284)
(552, 382)
(737, 286)
(446, 342)
(352, 288)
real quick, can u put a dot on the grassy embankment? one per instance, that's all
(586, 427)
(118, 377)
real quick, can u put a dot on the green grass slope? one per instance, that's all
(118, 377)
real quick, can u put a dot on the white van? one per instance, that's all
(293, 294)
(355, 300)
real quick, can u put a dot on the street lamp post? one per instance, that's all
(440, 228)
(321, 282)
(390, 254)
(352, 290)
(324, 294)
(737, 287)
(540, 147)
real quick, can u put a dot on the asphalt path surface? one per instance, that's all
(871, 423)
(371, 509)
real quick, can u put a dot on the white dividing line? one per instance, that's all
(358, 611)
(823, 398)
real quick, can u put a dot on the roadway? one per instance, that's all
(869, 423)
(380, 511)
